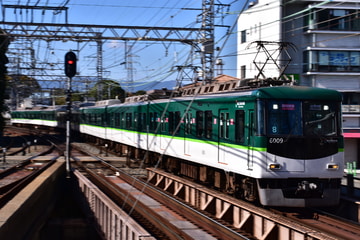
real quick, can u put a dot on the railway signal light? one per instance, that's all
(70, 64)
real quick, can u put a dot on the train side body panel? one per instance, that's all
(241, 133)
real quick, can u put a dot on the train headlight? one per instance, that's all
(274, 166)
(332, 166)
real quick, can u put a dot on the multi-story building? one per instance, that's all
(323, 41)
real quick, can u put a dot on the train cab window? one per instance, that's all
(320, 119)
(199, 123)
(208, 124)
(240, 126)
(284, 118)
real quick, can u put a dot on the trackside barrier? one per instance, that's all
(258, 222)
(114, 222)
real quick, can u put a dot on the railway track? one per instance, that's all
(164, 216)
(279, 223)
(237, 219)
(15, 178)
(322, 221)
(16, 175)
(252, 221)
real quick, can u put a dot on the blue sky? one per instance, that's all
(151, 61)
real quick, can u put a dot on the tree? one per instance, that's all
(107, 89)
(23, 86)
(59, 95)
(4, 43)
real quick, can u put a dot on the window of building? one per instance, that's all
(243, 72)
(243, 36)
(334, 19)
(332, 61)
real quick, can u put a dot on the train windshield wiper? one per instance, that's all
(326, 117)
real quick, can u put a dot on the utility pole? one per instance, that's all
(99, 67)
(207, 40)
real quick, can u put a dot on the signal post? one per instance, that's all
(70, 71)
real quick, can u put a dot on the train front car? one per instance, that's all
(300, 128)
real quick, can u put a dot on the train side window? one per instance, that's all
(103, 119)
(224, 125)
(188, 119)
(199, 124)
(177, 122)
(97, 119)
(117, 119)
(111, 120)
(171, 122)
(136, 122)
(128, 121)
(142, 121)
(122, 120)
(174, 120)
(208, 124)
(151, 121)
(162, 124)
(240, 126)
(227, 125)
(156, 116)
(139, 121)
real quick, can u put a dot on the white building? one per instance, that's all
(326, 35)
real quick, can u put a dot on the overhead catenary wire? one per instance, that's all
(166, 9)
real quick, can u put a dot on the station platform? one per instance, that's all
(38, 211)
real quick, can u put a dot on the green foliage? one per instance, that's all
(25, 86)
(107, 89)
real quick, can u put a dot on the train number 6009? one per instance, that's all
(276, 140)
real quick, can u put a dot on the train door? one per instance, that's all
(224, 121)
(250, 140)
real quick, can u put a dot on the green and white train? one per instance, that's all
(281, 146)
